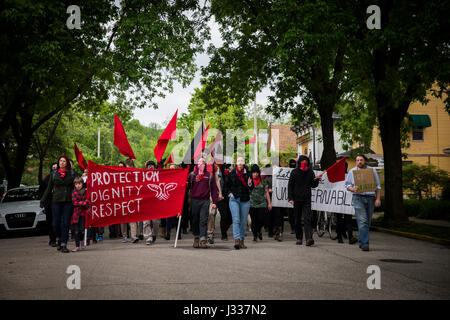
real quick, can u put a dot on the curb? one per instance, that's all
(444, 242)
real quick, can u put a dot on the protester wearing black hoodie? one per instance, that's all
(301, 181)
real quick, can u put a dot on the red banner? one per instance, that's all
(122, 195)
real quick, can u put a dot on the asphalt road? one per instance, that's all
(30, 269)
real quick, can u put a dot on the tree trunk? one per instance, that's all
(17, 168)
(326, 121)
(390, 136)
(41, 163)
(16, 163)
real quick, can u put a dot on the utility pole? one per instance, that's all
(255, 126)
(98, 143)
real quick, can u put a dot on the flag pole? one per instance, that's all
(98, 143)
(255, 126)
(178, 231)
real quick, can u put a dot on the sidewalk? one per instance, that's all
(438, 223)
(416, 235)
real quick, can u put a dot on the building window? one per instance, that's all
(417, 134)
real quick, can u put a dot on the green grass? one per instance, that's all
(416, 228)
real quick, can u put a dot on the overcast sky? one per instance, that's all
(180, 97)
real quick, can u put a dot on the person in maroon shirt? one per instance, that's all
(202, 186)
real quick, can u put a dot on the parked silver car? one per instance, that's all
(20, 210)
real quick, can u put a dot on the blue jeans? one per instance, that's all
(62, 213)
(239, 212)
(364, 206)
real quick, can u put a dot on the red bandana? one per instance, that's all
(62, 172)
(256, 181)
(240, 174)
(200, 170)
(304, 166)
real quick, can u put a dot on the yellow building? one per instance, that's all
(429, 136)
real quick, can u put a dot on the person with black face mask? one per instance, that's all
(301, 181)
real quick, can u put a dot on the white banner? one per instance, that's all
(330, 197)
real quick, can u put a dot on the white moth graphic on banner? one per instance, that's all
(162, 190)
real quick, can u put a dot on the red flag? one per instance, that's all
(120, 139)
(216, 149)
(336, 172)
(121, 195)
(168, 134)
(171, 159)
(80, 159)
(189, 155)
(252, 140)
(202, 143)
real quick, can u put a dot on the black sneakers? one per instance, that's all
(309, 242)
(352, 241)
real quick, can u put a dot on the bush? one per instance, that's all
(428, 209)
(421, 179)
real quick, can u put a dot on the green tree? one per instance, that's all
(131, 53)
(83, 129)
(222, 115)
(49, 139)
(396, 65)
(421, 179)
(288, 154)
(298, 48)
(356, 122)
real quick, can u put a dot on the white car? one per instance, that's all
(20, 210)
